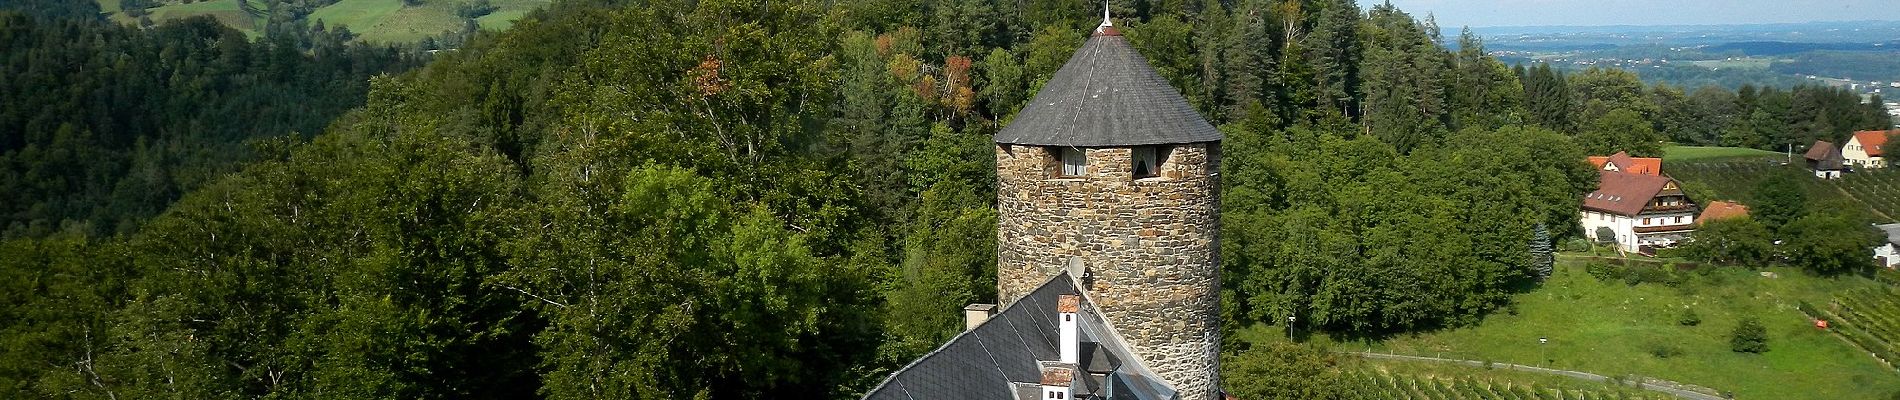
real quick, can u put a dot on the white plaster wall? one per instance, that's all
(1625, 228)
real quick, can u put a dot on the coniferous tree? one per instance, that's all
(1543, 254)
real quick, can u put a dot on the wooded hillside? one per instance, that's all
(733, 199)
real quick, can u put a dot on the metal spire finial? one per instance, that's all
(1105, 21)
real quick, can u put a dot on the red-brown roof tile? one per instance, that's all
(1872, 141)
(1627, 164)
(1718, 210)
(1624, 193)
(1057, 375)
(1820, 150)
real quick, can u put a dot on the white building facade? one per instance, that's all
(1867, 149)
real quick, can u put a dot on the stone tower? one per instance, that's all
(1109, 174)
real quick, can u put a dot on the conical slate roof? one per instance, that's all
(1105, 96)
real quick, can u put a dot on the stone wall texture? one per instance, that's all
(1150, 248)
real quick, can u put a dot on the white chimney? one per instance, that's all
(1066, 308)
(1055, 381)
(975, 314)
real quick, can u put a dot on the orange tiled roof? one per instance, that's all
(1722, 210)
(1629, 165)
(1871, 141)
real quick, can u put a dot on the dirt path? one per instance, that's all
(1651, 384)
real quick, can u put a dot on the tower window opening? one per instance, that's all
(1075, 162)
(1146, 164)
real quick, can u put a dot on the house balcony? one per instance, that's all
(1664, 209)
(1665, 228)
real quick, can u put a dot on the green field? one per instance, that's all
(225, 11)
(1676, 154)
(371, 20)
(1612, 329)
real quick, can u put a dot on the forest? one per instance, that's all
(733, 199)
(102, 126)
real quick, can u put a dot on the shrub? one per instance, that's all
(1689, 318)
(1664, 350)
(1602, 271)
(1643, 274)
(1749, 337)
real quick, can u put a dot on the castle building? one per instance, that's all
(1108, 247)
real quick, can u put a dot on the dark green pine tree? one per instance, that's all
(1542, 256)
(1547, 96)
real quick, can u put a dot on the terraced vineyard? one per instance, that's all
(1868, 317)
(1876, 190)
(1879, 189)
(1379, 384)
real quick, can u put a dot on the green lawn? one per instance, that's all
(1675, 154)
(1611, 328)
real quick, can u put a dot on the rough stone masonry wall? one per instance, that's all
(1151, 246)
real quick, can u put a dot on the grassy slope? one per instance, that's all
(225, 11)
(1676, 154)
(372, 20)
(1610, 328)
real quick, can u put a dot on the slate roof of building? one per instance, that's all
(1625, 163)
(1624, 193)
(1872, 141)
(996, 360)
(1825, 156)
(1106, 96)
(1720, 210)
(1893, 232)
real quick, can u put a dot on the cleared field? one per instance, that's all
(226, 11)
(389, 20)
(1612, 328)
(371, 20)
(1676, 154)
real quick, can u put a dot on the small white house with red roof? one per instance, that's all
(1636, 206)
(1867, 149)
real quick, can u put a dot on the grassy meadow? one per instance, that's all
(1678, 154)
(371, 20)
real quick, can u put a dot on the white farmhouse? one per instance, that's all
(1636, 206)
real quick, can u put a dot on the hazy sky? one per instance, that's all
(1478, 13)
